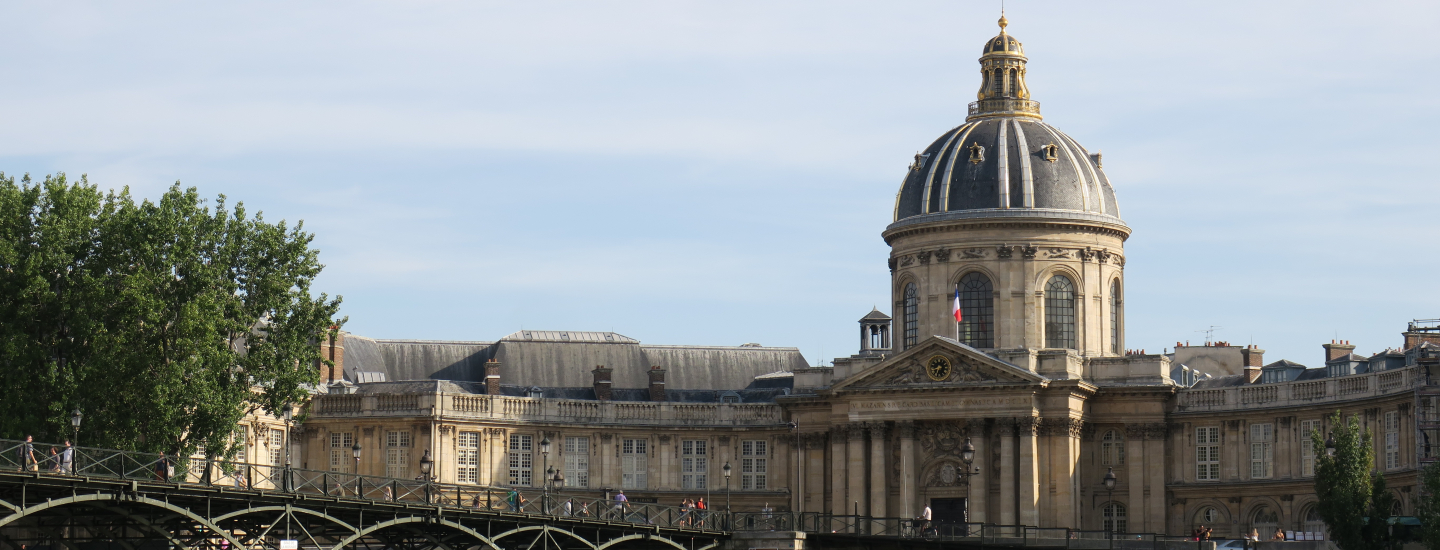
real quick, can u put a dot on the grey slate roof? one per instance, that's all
(548, 360)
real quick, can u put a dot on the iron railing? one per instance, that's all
(138, 466)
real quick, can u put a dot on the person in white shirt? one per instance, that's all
(925, 516)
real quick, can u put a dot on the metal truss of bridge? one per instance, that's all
(130, 500)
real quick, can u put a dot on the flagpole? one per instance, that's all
(957, 320)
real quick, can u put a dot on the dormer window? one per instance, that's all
(729, 397)
(1051, 152)
(535, 392)
(977, 153)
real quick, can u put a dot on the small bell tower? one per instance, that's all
(875, 333)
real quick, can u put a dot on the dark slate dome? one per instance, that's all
(1004, 161)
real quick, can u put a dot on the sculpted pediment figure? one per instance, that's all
(940, 361)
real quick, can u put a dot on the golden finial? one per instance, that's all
(1003, 23)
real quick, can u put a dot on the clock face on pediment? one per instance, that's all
(938, 367)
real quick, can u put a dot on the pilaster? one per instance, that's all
(905, 429)
(1029, 481)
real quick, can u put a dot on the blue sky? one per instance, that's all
(720, 172)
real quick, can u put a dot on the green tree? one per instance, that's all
(165, 322)
(1353, 499)
(1428, 506)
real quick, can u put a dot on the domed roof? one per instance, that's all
(1004, 161)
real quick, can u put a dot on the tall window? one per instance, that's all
(1115, 317)
(977, 307)
(1264, 520)
(694, 464)
(1207, 454)
(577, 462)
(1112, 449)
(243, 455)
(1262, 451)
(277, 450)
(911, 307)
(753, 465)
(1313, 523)
(1060, 313)
(1114, 514)
(521, 459)
(634, 463)
(1392, 440)
(397, 454)
(340, 455)
(467, 457)
(1307, 446)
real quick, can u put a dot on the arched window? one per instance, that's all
(1114, 514)
(912, 314)
(1112, 449)
(1208, 516)
(1060, 313)
(1313, 523)
(1264, 521)
(1115, 302)
(977, 309)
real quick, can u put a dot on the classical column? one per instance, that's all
(1029, 493)
(838, 466)
(906, 430)
(1155, 474)
(1006, 429)
(879, 490)
(1062, 468)
(855, 470)
(1135, 465)
(979, 483)
(815, 471)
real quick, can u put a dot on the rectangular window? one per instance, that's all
(340, 455)
(277, 450)
(633, 463)
(1207, 454)
(754, 458)
(1262, 451)
(467, 457)
(577, 462)
(694, 464)
(397, 454)
(243, 455)
(1307, 446)
(520, 459)
(1392, 440)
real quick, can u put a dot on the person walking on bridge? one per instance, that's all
(28, 462)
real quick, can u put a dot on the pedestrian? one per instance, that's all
(621, 503)
(53, 462)
(513, 498)
(67, 459)
(27, 455)
(162, 467)
(388, 495)
(569, 508)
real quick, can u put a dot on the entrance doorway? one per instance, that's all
(949, 510)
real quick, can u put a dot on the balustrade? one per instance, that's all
(1281, 394)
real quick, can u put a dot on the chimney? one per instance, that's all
(1252, 375)
(1253, 356)
(657, 383)
(602, 382)
(1337, 349)
(492, 377)
(332, 349)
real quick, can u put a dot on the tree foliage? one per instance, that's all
(1428, 506)
(1352, 497)
(164, 322)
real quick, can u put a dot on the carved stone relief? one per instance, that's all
(924, 257)
(1059, 253)
(942, 255)
(974, 253)
(1004, 251)
(906, 260)
(942, 438)
(1028, 251)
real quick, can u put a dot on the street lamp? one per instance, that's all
(1330, 445)
(427, 465)
(75, 418)
(1109, 482)
(726, 470)
(355, 451)
(545, 483)
(289, 417)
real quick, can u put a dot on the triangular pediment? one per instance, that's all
(943, 362)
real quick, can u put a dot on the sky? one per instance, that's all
(719, 173)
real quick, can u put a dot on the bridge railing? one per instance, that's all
(36, 458)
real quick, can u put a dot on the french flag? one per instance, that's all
(958, 316)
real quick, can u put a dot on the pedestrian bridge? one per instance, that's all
(106, 498)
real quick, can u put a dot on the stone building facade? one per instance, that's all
(1005, 218)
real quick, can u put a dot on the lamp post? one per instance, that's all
(1330, 445)
(726, 470)
(545, 497)
(355, 452)
(75, 417)
(289, 417)
(427, 465)
(1109, 482)
(545, 483)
